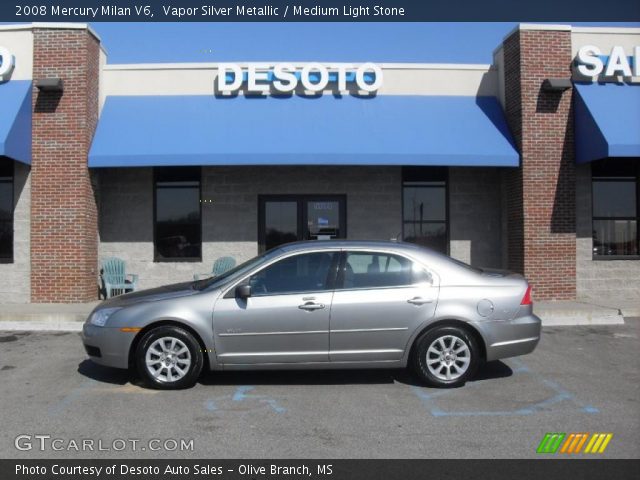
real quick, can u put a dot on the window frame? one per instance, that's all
(12, 170)
(440, 174)
(339, 282)
(595, 218)
(330, 279)
(156, 258)
(332, 275)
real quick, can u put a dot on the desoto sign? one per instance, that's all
(591, 62)
(285, 77)
(7, 63)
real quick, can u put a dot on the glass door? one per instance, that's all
(280, 223)
(323, 219)
(289, 218)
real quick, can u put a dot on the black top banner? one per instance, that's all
(319, 10)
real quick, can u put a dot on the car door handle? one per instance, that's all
(419, 301)
(310, 306)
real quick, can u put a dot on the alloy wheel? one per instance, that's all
(168, 359)
(448, 357)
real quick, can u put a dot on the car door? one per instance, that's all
(380, 299)
(286, 317)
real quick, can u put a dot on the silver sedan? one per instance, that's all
(321, 304)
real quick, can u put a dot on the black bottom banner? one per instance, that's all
(317, 469)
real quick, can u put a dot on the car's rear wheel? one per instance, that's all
(446, 356)
(169, 357)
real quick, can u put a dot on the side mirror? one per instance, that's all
(243, 291)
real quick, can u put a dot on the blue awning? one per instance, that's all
(607, 121)
(15, 120)
(383, 130)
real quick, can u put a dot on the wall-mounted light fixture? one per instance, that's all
(53, 84)
(556, 84)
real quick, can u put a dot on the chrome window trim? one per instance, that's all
(320, 249)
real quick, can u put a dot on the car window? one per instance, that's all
(372, 270)
(234, 273)
(297, 274)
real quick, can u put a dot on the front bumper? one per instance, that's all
(111, 344)
(512, 337)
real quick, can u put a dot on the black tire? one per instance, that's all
(164, 380)
(447, 334)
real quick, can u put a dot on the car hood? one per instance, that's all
(151, 295)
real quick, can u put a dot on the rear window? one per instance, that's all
(465, 265)
(375, 270)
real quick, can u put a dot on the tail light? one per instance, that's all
(526, 300)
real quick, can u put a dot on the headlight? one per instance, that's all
(99, 317)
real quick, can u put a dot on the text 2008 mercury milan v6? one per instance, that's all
(321, 304)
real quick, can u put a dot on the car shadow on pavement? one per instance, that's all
(491, 370)
(116, 376)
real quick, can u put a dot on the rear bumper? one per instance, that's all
(510, 338)
(110, 344)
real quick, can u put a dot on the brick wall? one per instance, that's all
(541, 193)
(63, 211)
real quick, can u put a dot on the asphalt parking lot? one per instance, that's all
(580, 379)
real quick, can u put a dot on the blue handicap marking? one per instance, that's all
(242, 393)
(273, 404)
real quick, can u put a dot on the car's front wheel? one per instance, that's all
(446, 356)
(169, 357)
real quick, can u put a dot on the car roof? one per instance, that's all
(375, 244)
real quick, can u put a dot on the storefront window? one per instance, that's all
(424, 207)
(6, 210)
(615, 189)
(177, 216)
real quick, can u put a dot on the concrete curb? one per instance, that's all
(41, 326)
(45, 316)
(577, 313)
(630, 311)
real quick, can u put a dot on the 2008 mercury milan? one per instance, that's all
(321, 304)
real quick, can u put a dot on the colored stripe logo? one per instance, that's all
(573, 443)
(550, 442)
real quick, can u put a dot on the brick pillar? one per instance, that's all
(64, 233)
(541, 210)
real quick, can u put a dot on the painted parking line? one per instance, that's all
(521, 367)
(429, 398)
(211, 405)
(59, 407)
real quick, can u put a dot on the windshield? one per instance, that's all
(236, 272)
